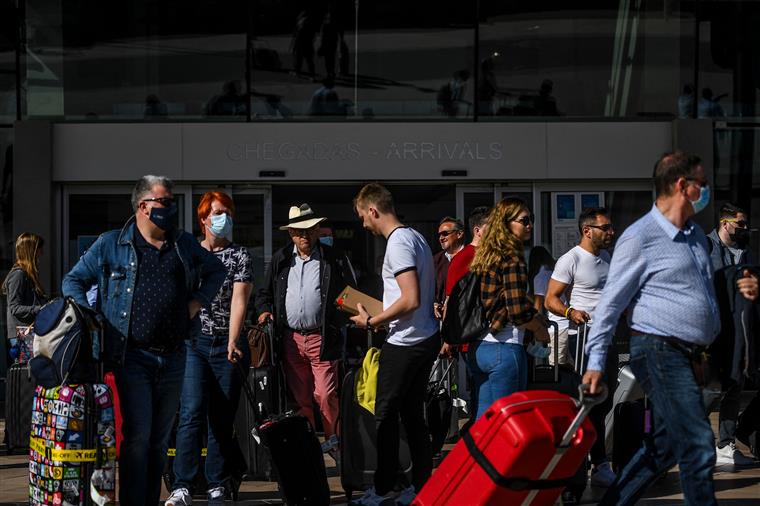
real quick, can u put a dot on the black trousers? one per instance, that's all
(402, 380)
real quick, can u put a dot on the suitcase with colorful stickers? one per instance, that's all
(72, 448)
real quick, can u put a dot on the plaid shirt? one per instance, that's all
(504, 292)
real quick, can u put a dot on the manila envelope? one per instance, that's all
(348, 298)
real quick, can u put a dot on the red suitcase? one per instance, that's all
(523, 450)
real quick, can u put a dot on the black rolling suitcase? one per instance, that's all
(439, 403)
(269, 401)
(268, 387)
(566, 380)
(633, 422)
(295, 452)
(19, 397)
(358, 437)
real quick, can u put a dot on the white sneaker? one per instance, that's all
(216, 496)
(406, 496)
(179, 497)
(602, 475)
(730, 455)
(370, 498)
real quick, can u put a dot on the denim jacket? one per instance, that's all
(111, 263)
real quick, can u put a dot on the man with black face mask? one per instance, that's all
(152, 281)
(728, 244)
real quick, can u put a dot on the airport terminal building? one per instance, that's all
(451, 104)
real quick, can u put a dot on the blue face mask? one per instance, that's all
(327, 241)
(703, 200)
(165, 218)
(221, 225)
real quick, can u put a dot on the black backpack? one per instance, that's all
(465, 319)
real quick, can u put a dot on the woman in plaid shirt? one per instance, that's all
(498, 362)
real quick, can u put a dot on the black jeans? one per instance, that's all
(402, 380)
(727, 399)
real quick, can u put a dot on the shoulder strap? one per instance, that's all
(504, 481)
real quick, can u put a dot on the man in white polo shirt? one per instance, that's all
(409, 351)
(580, 275)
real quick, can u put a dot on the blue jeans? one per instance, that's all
(498, 370)
(682, 433)
(149, 386)
(210, 395)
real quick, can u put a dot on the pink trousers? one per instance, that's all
(310, 379)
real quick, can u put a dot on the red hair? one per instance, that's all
(204, 206)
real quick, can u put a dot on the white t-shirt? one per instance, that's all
(586, 273)
(408, 250)
(540, 286)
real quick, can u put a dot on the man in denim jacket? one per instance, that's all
(152, 281)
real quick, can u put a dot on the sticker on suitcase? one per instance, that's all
(63, 464)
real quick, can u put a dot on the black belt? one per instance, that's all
(316, 330)
(166, 349)
(684, 346)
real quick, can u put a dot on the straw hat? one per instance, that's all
(301, 217)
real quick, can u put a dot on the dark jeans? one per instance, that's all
(210, 394)
(749, 422)
(149, 386)
(682, 433)
(728, 399)
(402, 380)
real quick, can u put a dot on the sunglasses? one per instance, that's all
(525, 220)
(164, 201)
(447, 233)
(739, 223)
(604, 228)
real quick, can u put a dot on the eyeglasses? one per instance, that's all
(604, 228)
(164, 201)
(446, 233)
(525, 220)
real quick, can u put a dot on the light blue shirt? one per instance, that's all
(303, 298)
(664, 277)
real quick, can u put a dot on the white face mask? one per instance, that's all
(221, 225)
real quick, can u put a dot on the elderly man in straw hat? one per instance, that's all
(301, 283)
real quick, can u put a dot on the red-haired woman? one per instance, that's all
(211, 388)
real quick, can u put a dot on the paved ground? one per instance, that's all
(734, 486)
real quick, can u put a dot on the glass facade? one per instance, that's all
(153, 60)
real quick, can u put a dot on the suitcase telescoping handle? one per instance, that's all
(585, 403)
(251, 396)
(553, 326)
(580, 347)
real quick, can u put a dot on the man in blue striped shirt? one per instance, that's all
(662, 275)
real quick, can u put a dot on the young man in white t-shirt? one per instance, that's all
(409, 351)
(581, 273)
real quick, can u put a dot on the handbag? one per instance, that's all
(465, 320)
(260, 343)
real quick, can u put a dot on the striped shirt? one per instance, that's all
(664, 277)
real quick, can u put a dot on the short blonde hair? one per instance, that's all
(377, 194)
